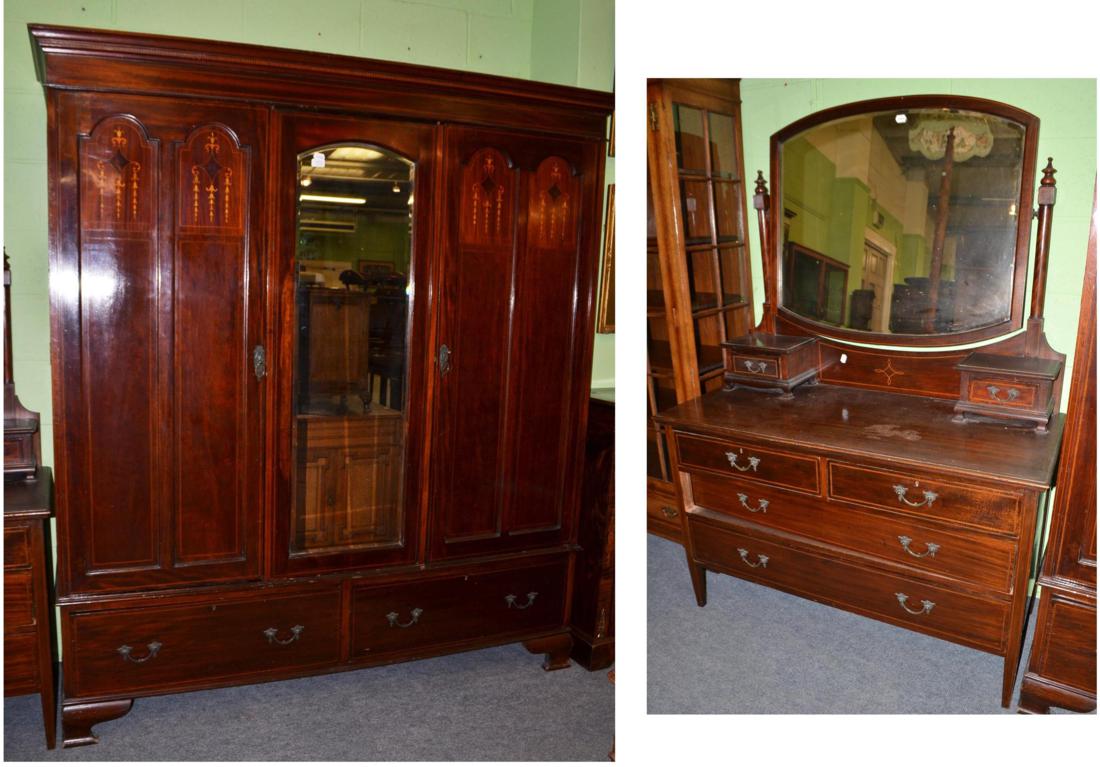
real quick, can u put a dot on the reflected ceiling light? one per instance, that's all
(332, 198)
(354, 153)
(1012, 209)
(396, 188)
(900, 118)
(306, 181)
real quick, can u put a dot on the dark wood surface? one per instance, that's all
(173, 184)
(911, 430)
(1062, 668)
(30, 657)
(592, 619)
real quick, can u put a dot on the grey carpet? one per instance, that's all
(754, 650)
(495, 704)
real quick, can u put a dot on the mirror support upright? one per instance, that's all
(1046, 198)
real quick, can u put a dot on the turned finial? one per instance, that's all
(760, 196)
(1047, 189)
(761, 184)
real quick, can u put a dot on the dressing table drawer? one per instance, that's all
(982, 560)
(878, 593)
(924, 496)
(749, 462)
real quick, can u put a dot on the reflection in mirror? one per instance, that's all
(354, 246)
(902, 221)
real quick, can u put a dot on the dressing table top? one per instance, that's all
(897, 427)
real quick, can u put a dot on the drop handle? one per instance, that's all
(761, 559)
(510, 600)
(415, 614)
(929, 497)
(926, 605)
(732, 458)
(272, 635)
(1010, 395)
(151, 652)
(762, 506)
(930, 549)
(755, 367)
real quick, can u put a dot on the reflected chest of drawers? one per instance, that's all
(871, 502)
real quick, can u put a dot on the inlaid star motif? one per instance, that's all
(889, 371)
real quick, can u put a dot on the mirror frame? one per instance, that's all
(774, 255)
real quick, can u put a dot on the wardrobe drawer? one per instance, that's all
(145, 648)
(878, 593)
(17, 546)
(748, 462)
(387, 619)
(925, 496)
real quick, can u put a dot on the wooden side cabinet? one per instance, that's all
(1062, 669)
(699, 291)
(593, 618)
(29, 655)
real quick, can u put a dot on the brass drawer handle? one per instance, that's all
(926, 606)
(755, 367)
(272, 638)
(415, 613)
(929, 496)
(670, 512)
(762, 507)
(732, 458)
(510, 599)
(761, 559)
(930, 548)
(1011, 393)
(153, 649)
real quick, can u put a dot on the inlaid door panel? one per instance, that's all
(157, 299)
(515, 316)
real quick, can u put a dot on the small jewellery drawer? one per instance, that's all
(17, 545)
(1004, 393)
(764, 367)
(145, 648)
(748, 462)
(878, 593)
(924, 496)
(442, 611)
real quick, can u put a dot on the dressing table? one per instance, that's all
(846, 462)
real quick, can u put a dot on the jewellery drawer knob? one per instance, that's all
(510, 599)
(732, 458)
(926, 606)
(670, 512)
(929, 496)
(416, 612)
(1010, 395)
(930, 548)
(153, 648)
(761, 507)
(272, 635)
(761, 559)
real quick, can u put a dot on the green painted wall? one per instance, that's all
(564, 41)
(1067, 112)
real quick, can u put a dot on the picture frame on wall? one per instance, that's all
(605, 309)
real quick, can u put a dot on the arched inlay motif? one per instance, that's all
(488, 195)
(118, 165)
(554, 197)
(212, 183)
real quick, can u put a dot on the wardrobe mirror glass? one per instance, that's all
(354, 245)
(902, 221)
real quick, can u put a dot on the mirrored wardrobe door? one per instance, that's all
(352, 275)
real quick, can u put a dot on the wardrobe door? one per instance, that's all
(513, 356)
(156, 298)
(354, 220)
